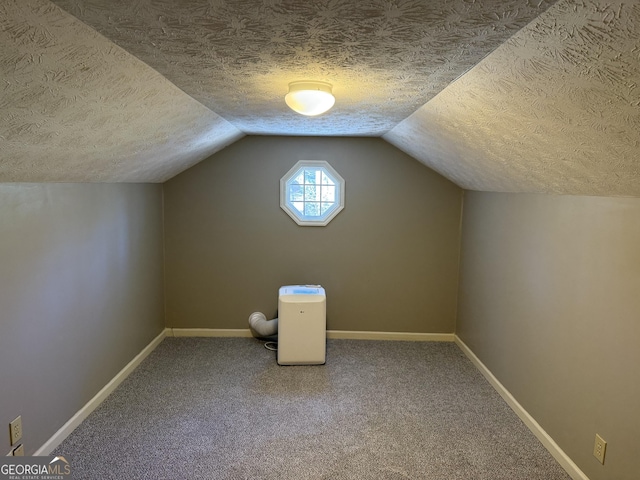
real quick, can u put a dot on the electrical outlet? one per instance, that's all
(599, 448)
(15, 430)
(18, 451)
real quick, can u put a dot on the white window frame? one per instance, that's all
(306, 220)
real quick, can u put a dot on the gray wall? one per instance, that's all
(550, 302)
(388, 261)
(80, 295)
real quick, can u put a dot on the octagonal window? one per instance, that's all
(312, 193)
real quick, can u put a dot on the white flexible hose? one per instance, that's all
(261, 327)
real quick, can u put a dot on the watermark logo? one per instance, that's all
(35, 468)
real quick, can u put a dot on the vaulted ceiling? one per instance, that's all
(496, 95)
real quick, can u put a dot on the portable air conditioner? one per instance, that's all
(302, 325)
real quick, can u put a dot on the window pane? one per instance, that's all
(326, 179)
(310, 192)
(310, 176)
(299, 206)
(328, 193)
(299, 177)
(324, 207)
(312, 209)
(296, 193)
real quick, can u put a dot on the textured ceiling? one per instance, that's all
(546, 96)
(75, 107)
(385, 58)
(555, 109)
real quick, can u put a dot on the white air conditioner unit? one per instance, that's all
(302, 325)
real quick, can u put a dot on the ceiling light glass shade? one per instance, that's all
(309, 97)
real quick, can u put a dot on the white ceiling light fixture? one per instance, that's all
(309, 97)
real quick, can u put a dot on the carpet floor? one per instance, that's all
(221, 408)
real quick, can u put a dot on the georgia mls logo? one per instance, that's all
(35, 468)
(59, 466)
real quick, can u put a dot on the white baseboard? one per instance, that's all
(337, 334)
(92, 404)
(406, 336)
(562, 458)
(209, 332)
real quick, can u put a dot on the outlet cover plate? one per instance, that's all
(18, 451)
(599, 448)
(15, 430)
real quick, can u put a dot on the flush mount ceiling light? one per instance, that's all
(309, 97)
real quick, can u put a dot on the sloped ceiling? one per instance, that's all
(499, 95)
(74, 107)
(554, 109)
